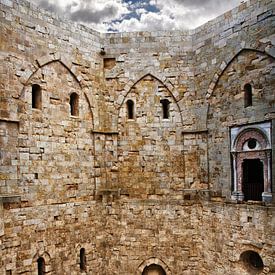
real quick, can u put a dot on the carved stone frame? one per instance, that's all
(240, 152)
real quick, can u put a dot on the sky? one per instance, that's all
(139, 15)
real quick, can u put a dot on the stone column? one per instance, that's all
(237, 193)
(1, 217)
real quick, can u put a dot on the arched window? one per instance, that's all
(130, 108)
(247, 95)
(74, 104)
(165, 108)
(36, 96)
(41, 266)
(82, 259)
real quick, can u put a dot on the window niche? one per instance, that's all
(165, 108)
(41, 266)
(74, 102)
(247, 95)
(130, 109)
(36, 97)
(82, 258)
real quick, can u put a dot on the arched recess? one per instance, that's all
(226, 108)
(153, 261)
(47, 60)
(129, 86)
(150, 159)
(224, 66)
(53, 124)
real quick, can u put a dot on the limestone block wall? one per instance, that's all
(150, 160)
(138, 191)
(227, 107)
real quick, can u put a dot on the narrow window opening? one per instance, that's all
(36, 96)
(130, 109)
(247, 95)
(82, 259)
(165, 108)
(74, 104)
(41, 266)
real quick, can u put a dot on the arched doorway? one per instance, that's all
(251, 162)
(153, 269)
(153, 266)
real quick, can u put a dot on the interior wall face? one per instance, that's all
(136, 193)
(149, 146)
(56, 148)
(227, 108)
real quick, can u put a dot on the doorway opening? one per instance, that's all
(153, 269)
(253, 179)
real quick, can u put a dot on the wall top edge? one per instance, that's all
(235, 13)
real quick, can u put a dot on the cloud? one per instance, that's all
(147, 21)
(137, 15)
(88, 15)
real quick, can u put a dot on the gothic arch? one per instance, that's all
(224, 66)
(139, 77)
(45, 60)
(151, 261)
(48, 59)
(160, 79)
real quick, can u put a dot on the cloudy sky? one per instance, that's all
(139, 15)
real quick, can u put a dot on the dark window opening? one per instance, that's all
(109, 63)
(154, 270)
(253, 179)
(74, 104)
(252, 143)
(165, 108)
(130, 109)
(82, 259)
(247, 95)
(41, 266)
(36, 96)
(252, 261)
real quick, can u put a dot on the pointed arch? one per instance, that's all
(224, 66)
(158, 78)
(76, 77)
(153, 261)
(45, 60)
(63, 61)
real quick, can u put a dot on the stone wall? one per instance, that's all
(132, 191)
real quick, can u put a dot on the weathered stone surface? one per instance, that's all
(141, 191)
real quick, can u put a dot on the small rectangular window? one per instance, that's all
(36, 97)
(165, 108)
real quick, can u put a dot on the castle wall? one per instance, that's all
(132, 191)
